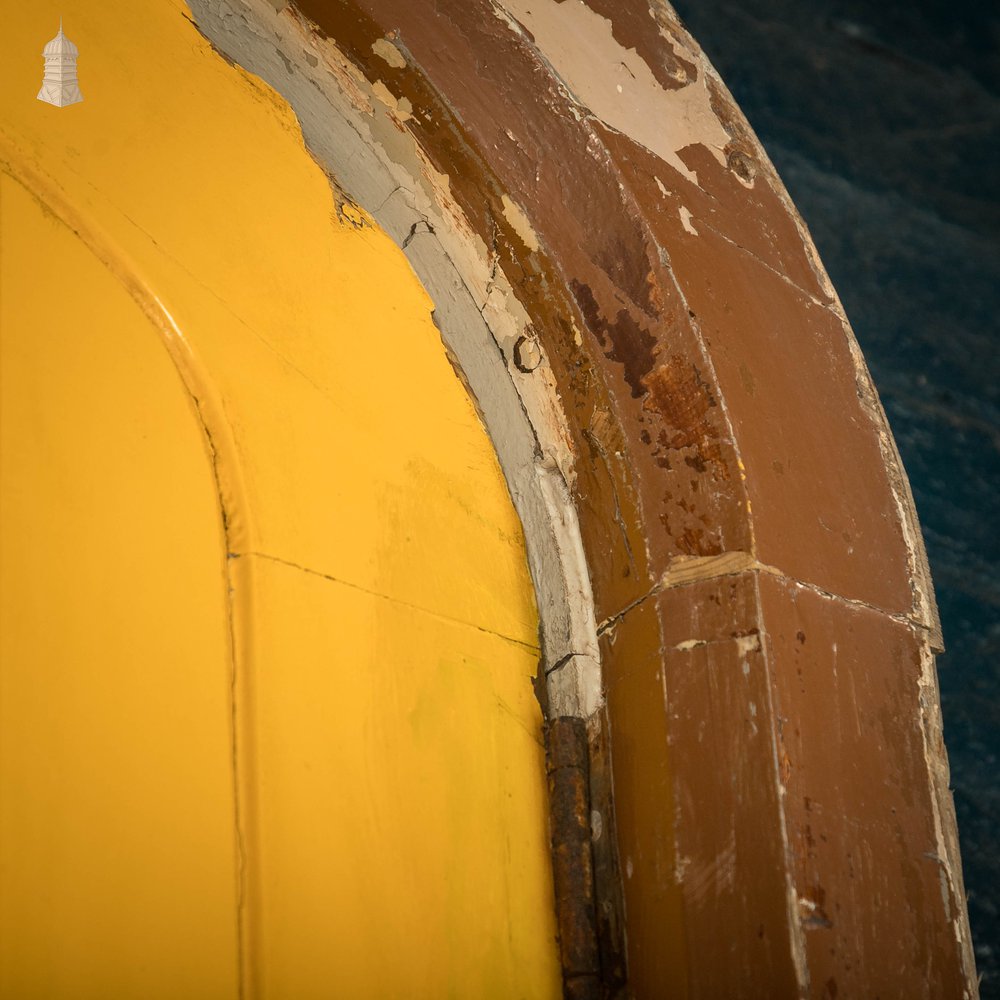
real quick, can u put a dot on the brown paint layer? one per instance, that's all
(646, 811)
(822, 506)
(730, 842)
(852, 743)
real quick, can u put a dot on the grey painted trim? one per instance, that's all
(356, 132)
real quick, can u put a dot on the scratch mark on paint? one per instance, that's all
(384, 597)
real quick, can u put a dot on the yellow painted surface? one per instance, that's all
(116, 797)
(242, 483)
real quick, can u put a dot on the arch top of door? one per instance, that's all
(728, 565)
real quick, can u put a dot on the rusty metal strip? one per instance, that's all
(568, 766)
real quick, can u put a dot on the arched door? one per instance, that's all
(268, 633)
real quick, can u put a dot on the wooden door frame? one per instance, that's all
(735, 603)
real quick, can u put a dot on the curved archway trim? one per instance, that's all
(729, 569)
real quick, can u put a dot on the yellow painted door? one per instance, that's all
(116, 801)
(266, 627)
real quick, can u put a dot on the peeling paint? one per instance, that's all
(686, 217)
(401, 106)
(384, 48)
(516, 217)
(391, 175)
(617, 86)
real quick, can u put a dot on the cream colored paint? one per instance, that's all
(516, 217)
(384, 49)
(616, 85)
(686, 222)
(400, 105)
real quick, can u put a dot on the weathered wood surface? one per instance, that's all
(713, 504)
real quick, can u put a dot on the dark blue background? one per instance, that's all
(883, 119)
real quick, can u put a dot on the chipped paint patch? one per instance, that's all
(617, 85)
(687, 570)
(514, 214)
(683, 647)
(686, 221)
(744, 644)
(400, 105)
(384, 49)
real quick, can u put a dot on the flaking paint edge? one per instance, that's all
(374, 163)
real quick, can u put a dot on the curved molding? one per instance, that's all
(231, 495)
(197, 383)
(719, 529)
